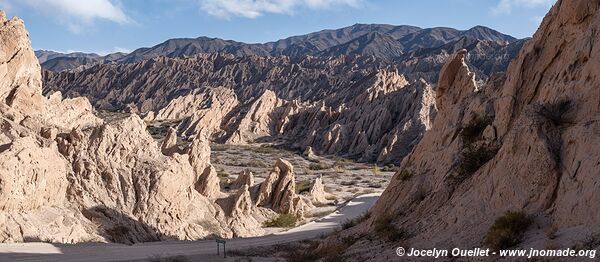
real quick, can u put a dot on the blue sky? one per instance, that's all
(105, 26)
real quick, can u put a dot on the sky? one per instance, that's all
(106, 26)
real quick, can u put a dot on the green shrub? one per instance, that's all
(473, 131)
(474, 158)
(386, 229)
(375, 170)
(404, 175)
(507, 231)
(221, 173)
(283, 220)
(389, 168)
(554, 112)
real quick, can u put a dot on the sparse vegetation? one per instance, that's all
(386, 229)
(329, 252)
(404, 175)
(554, 112)
(317, 166)
(389, 168)
(303, 186)
(348, 183)
(474, 158)
(375, 185)
(218, 147)
(507, 231)
(375, 170)
(473, 131)
(119, 233)
(368, 191)
(265, 149)
(283, 220)
(222, 174)
(353, 222)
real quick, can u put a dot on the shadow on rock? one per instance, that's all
(121, 228)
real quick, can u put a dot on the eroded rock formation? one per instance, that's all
(278, 190)
(317, 191)
(68, 176)
(529, 143)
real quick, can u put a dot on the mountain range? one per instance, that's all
(379, 40)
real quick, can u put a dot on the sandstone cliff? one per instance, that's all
(529, 143)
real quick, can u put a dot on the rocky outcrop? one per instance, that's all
(201, 112)
(243, 223)
(309, 153)
(208, 183)
(278, 190)
(381, 124)
(244, 178)
(261, 119)
(119, 167)
(534, 136)
(68, 176)
(169, 144)
(317, 191)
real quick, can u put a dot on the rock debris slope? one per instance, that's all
(68, 176)
(534, 136)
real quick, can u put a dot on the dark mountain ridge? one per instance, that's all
(380, 40)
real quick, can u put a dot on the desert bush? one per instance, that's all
(317, 166)
(384, 227)
(507, 230)
(473, 131)
(389, 168)
(221, 173)
(283, 220)
(119, 233)
(474, 158)
(265, 149)
(404, 175)
(554, 112)
(375, 170)
(353, 222)
(303, 186)
(348, 183)
(331, 251)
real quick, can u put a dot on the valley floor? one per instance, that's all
(204, 250)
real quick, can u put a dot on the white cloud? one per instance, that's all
(122, 50)
(255, 8)
(506, 6)
(76, 14)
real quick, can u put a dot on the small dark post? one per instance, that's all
(221, 241)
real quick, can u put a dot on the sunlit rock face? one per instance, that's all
(67, 176)
(537, 130)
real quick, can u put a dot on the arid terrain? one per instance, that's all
(339, 145)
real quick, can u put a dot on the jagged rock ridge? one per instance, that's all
(537, 131)
(68, 176)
